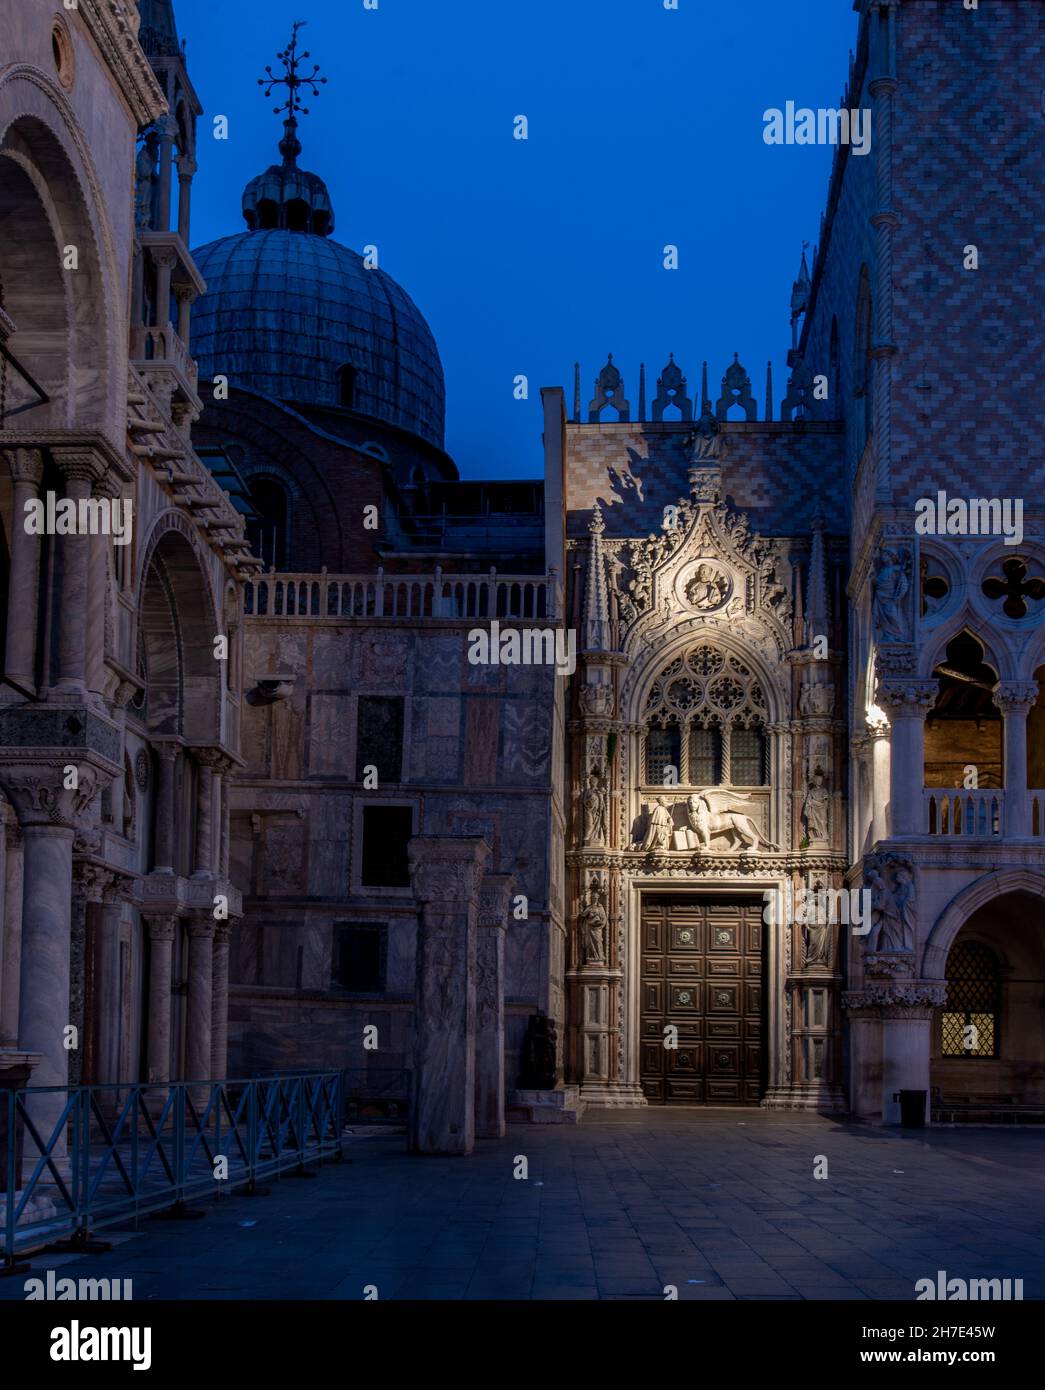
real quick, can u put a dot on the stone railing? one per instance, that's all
(979, 814)
(403, 597)
(163, 345)
(1036, 813)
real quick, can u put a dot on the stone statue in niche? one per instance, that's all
(592, 920)
(816, 943)
(658, 829)
(816, 808)
(887, 930)
(537, 1065)
(596, 699)
(816, 699)
(905, 902)
(146, 183)
(892, 583)
(707, 443)
(593, 800)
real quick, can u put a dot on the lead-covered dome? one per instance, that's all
(297, 316)
(292, 314)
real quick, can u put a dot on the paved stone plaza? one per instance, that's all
(721, 1203)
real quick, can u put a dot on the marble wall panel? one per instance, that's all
(382, 661)
(283, 856)
(482, 717)
(330, 736)
(527, 742)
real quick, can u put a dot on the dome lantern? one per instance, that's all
(285, 196)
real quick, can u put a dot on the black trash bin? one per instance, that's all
(912, 1108)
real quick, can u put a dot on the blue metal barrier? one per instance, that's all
(80, 1158)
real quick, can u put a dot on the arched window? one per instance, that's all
(964, 726)
(663, 749)
(707, 708)
(747, 757)
(346, 386)
(267, 529)
(969, 1020)
(268, 215)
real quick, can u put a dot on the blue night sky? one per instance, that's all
(645, 127)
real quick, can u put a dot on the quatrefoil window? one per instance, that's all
(1016, 587)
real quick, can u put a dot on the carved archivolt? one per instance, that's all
(705, 575)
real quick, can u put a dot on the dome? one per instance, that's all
(287, 311)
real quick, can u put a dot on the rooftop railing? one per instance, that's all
(406, 597)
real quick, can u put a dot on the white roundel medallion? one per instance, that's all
(705, 585)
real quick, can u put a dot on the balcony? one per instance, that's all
(161, 351)
(977, 814)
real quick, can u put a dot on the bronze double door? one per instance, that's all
(703, 973)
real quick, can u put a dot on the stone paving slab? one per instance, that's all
(617, 1208)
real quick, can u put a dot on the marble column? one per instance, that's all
(204, 861)
(167, 128)
(906, 1051)
(165, 260)
(108, 1000)
(161, 941)
(12, 960)
(878, 732)
(1015, 699)
(219, 1013)
(186, 170)
(89, 882)
(184, 295)
(201, 997)
(106, 490)
(80, 470)
(494, 901)
(445, 873)
(27, 471)
(906, 704)
(166, 755)
(43, 995)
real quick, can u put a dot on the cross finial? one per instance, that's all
(291, 77)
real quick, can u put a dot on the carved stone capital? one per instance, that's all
(40, 796)
(1015, 697)
(161, 925)
(202, 924)
(898, 998)
(79, 465)
(90, 881)
(446, 868)
(119, 889)
(26, 465)
(906, 698)
(222, 934)
(495, 893)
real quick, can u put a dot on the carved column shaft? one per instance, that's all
(12, 945)
(80, 471)
(1014, 699)
(199, 1017)
(219, 1027)
(445, 872)
(204, 815)
(906, 703)
(27, 470)
(164, 851)
(495, 895)
(161, 943)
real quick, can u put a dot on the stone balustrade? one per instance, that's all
(404, 596)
